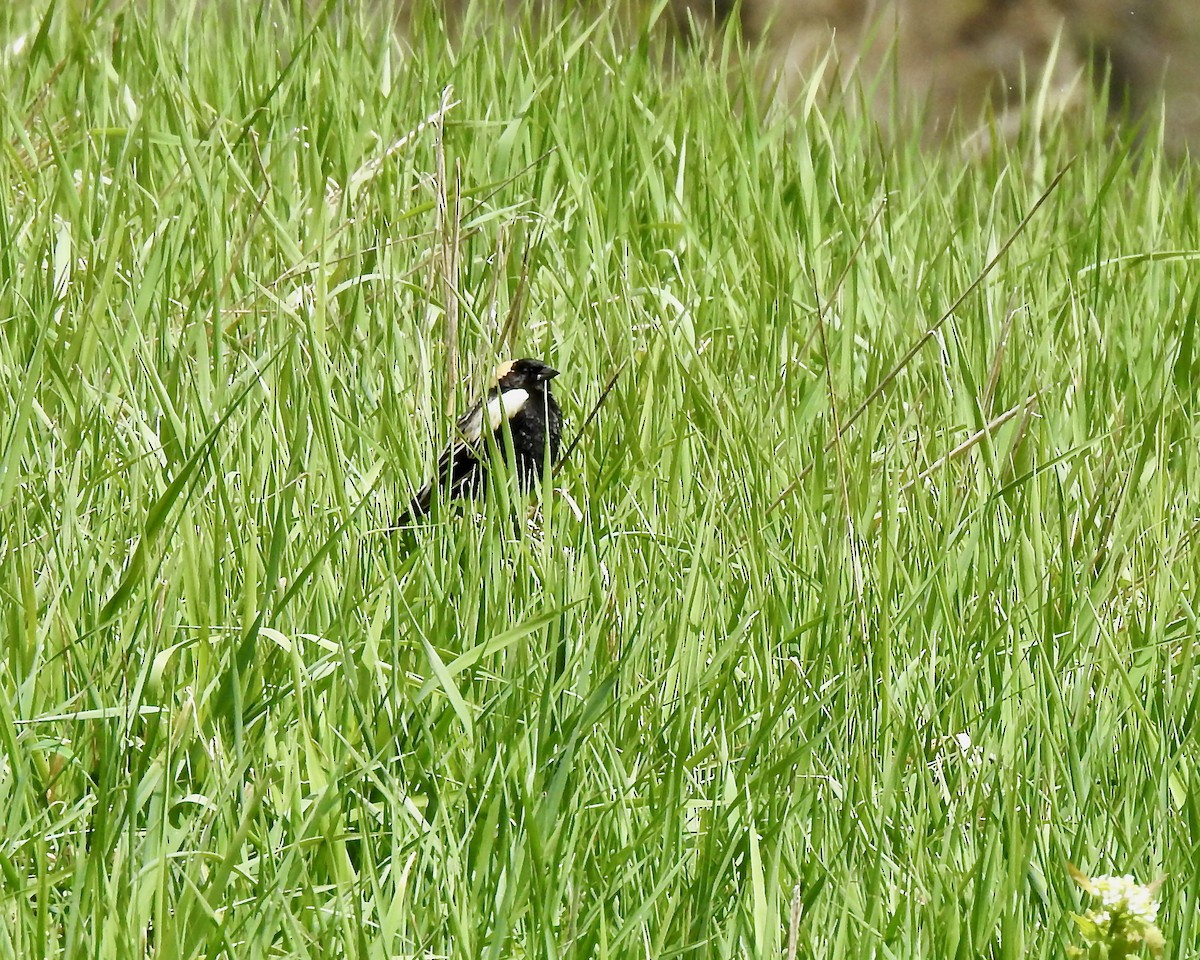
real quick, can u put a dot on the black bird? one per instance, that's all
(520, 398)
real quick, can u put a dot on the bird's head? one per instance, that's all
(524, 374)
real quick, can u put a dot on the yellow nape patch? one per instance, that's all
(502, 370)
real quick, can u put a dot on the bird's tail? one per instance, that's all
(418, 507)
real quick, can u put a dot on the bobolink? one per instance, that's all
(519, 397)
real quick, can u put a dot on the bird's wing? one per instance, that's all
(469, 429)
(506, 406)
(468, 433)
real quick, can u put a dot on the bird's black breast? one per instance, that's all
(536, 427)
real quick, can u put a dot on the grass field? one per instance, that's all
(238, 718)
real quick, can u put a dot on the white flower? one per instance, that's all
(1126, 895)
(1124, 922)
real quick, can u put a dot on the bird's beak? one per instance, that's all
(547, 373)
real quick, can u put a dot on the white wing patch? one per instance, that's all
(505, 406)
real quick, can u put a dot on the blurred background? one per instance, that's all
(952, 66)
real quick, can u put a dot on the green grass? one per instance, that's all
(237, 719)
